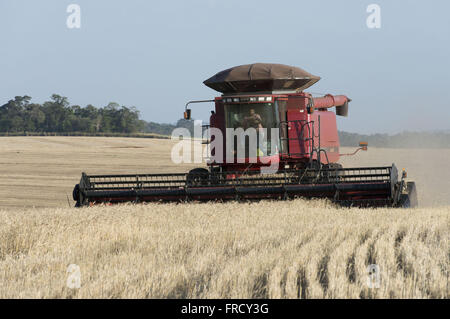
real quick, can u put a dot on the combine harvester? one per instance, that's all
(305, 151)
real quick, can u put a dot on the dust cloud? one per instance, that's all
(429, 168)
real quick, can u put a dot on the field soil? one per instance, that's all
(42, 171)
(285, 249)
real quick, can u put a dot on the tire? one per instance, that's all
(334, 175)
(314, 165)
(318, 173)
(197, 177)
(76, 192)
(333, 166)
(309, 174)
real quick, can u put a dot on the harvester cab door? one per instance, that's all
(298, 134)
(295, 128)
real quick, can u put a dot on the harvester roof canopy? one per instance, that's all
(257, 77)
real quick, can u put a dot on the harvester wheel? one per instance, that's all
(314, 165)
(197, 177)
(333, 166)
(334, 172)
(311, 173)
(76, 192)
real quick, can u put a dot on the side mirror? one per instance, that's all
(310, 106)
(363, 145)
(187, 114)
(342, 110)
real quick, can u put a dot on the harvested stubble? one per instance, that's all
(293, 249)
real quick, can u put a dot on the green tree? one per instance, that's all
(57, 115)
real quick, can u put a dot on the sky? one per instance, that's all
(154, 55)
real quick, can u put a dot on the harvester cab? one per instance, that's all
(292, 129)
(263, 119)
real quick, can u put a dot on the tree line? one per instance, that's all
(20, 115)
(57, 116)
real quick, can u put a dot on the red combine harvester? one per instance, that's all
(296, 132)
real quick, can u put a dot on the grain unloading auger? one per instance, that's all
(295, 132)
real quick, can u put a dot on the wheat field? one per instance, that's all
(292, 249)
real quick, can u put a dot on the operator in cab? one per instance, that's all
(254, 120)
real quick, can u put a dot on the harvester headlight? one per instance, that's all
(253, 99)
(268, 98)
(261, 98)
(235, 99)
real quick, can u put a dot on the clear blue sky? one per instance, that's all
(155, 54)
